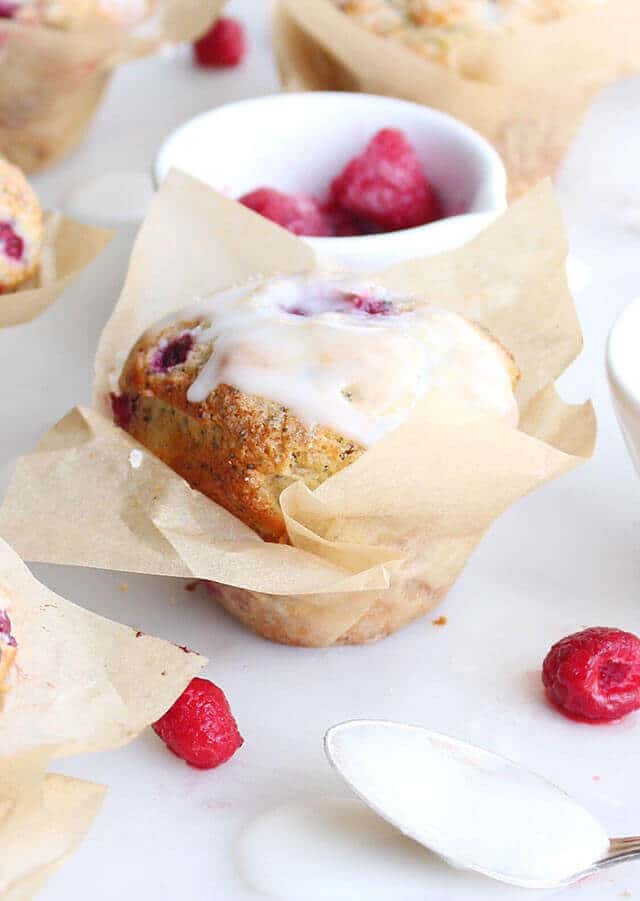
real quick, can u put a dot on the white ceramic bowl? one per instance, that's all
(623, 370)
(298, 142)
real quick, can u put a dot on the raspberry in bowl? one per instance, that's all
(313, 154)
(382, 189)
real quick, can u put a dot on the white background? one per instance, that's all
(562, 559)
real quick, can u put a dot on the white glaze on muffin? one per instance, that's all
(345, 356)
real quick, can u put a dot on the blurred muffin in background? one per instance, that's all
(70, 15)
(20, 228)
(433, 27)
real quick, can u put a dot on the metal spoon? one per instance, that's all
(477, 810)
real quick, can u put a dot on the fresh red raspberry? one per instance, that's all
(343, 225)
(385, 185)
(297, 213)
(595, 674)
(223, 46)
(8, 10)
(200, 727)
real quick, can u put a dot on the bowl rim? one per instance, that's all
(616, 355)
(497, 175)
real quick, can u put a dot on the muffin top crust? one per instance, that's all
(346, 356)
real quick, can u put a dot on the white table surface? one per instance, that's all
(562, 559)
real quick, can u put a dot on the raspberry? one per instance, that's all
(173, 353)
(374, 306)
(297, 213)
(223, 46)
(385, 185)
(5, 630)
(8, 10)
(13, 243)
(595, 674)
(122, 409)
(200, 727)
(343, 225)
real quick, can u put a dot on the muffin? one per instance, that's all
(71, 15)
(7, 650)
(434, 27)
(20, 228)
(293, 379)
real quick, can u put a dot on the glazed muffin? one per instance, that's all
(293, 379)
(7, 650)
(434, 27)
(20, 228)
(71, 15)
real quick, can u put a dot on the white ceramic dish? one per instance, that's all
(298, 142)
(623, 370)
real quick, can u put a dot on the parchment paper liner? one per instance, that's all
(81, 683)
(67, 248)
(525, 91)
(52, 80)
(38, 836)
(383, 540)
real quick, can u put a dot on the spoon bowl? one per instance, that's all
(476, 809)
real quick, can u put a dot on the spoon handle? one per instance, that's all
(622, 849)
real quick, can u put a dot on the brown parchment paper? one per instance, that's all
(378, 543)
(80, 683)
(67, 248)
(525, 90)
(40, 833)
(52, 80)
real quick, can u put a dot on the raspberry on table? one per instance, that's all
(298, 213)
(385, 185)
(200, 727)
(223, 46)
(594, 675)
